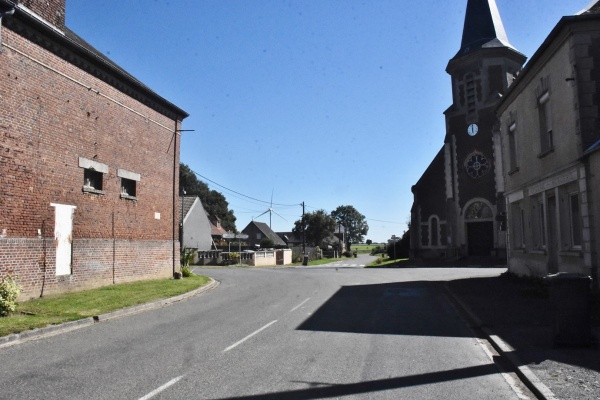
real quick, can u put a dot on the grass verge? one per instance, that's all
(319, 262)
(389, 263)
(56, 309)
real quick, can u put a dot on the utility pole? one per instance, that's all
(303, 236)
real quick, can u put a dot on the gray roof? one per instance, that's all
(483, 28)
(268, 232)
(186, 203)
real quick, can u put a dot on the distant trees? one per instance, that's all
(214, 202)
(369, 242)
(354, 223)
(316, 225)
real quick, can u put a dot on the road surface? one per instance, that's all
(332, 331)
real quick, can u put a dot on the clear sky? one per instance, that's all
(324, 102)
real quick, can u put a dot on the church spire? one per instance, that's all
(483, 27)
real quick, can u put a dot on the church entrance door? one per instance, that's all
(480, 238)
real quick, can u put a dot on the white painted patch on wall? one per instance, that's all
(63, 237)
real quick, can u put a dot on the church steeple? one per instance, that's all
(483, 27)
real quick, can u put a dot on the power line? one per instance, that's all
(243, 195)
(387, 222)
(278, 204)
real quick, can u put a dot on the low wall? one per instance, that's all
(261, 258)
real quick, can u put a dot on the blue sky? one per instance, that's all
(324, 102)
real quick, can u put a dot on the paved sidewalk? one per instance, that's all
(517, 317)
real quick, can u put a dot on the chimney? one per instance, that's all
(53, 11)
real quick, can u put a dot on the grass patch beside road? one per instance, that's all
(318, 262)
(364, 248)
(389, 263)
(56, 309)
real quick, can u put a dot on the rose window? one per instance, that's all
(476, 165)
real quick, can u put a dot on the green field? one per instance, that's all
(365, 248)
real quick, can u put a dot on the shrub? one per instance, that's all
(296, 257)
(186, 272)
(379, 260)
(348, 254)
(187, 257)
(267, 243)
(378, 250)
(9, 291)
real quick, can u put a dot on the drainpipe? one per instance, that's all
(175, 133)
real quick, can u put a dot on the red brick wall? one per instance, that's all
(52, 113)
(52, 11)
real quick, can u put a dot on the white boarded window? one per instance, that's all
(63, 237)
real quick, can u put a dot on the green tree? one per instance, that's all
(213, 202)
(369, 242)
(355, 224)
(317, 226)
(267, 243)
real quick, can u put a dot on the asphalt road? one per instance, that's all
(288, 333)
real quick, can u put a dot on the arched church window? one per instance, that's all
(478, 210)
(476, 165)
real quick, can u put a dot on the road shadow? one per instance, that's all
(326, 390)
(521, 313)
(402, 308)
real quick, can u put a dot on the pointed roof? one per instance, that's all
(483, 27)
(186, 204)
(265, 230)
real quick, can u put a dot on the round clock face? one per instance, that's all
(472, 130)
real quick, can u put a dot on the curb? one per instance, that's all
(524, 373)
(51, 330)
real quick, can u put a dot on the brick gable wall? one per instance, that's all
(51, 114)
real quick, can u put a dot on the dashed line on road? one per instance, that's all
(249, 336)
(299, 305)
(160, 389)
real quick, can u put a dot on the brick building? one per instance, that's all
(88, 161)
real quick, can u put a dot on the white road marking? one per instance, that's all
(249, 336)
(507, 377)
(299, 305)
(160, 389)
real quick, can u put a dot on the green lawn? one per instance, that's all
(389, 263)
(56, 309)
(365, 248)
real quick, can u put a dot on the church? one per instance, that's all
(459, 208)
